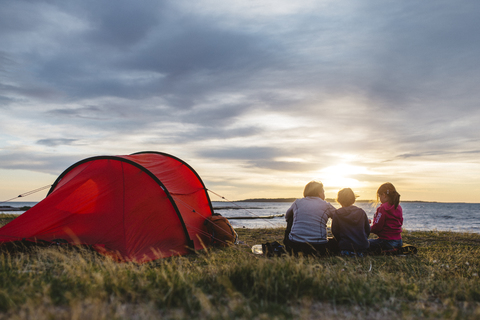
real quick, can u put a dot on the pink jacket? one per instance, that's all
(387, 222)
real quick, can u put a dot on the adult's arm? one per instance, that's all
(289, 213)
(330, 210)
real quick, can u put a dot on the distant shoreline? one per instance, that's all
(10, 208)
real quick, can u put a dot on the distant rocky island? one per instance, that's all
(9, 208)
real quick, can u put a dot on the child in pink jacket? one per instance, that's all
(388, 220)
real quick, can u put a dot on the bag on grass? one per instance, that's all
(221, 231)
(273, 249)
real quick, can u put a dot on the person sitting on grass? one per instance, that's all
(388, 220)
(350, 226)
(306, 223)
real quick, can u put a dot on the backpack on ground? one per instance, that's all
(273, 249)
(221, 231)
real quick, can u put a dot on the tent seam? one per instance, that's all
(188, 166)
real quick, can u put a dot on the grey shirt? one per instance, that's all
(310, 216)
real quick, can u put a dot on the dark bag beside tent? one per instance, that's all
(137, 207)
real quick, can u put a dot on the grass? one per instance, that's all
(440, 282)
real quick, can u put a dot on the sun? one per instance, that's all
(341, 176)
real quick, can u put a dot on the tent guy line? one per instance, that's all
(27, 193)
(235, 204)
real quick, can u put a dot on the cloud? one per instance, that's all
(23, 159)
(125, 26)
(269, 158)
(138, 52)
(292, 87)
(436, 154)
(243, 153)
(55, 142)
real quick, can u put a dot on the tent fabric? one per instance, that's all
(137, 207)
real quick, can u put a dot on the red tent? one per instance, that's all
(138, 207)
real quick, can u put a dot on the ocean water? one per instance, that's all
(460, 217)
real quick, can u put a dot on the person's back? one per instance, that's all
(350, 225)
(310, 219)
(388, 220)
(351, 229)
(306, 230)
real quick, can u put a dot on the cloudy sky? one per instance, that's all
(259, 97)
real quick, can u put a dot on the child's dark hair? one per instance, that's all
(346, 197)
(389, 190)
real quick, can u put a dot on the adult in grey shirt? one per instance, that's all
(307, 223)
